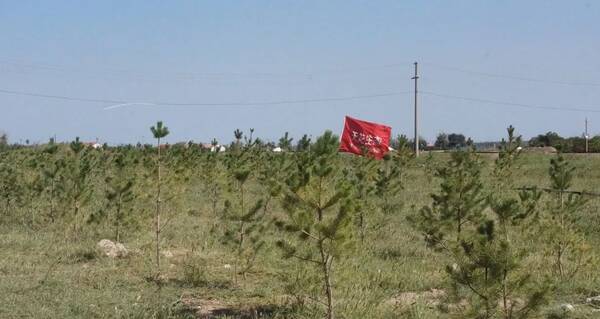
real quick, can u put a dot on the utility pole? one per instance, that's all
(587, 137)
(416, 77)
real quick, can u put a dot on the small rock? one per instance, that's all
(111, 249)
(595, 301)
(227, 266)
(567, 307)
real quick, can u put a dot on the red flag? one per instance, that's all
(361, 134)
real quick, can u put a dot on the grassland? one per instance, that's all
(48, 270)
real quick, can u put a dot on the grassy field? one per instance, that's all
(54, 270)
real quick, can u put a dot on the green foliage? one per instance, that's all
(460, 201)
(52, 184)
(285, 142)
(487, 262)
(159, 131)
(451, 141)
(303, 144)
(314, 195)
(507, 157)
(119, 196)
(362, 175)
(78, 186)
(242, 219)
(319, 207)
(565, 243)
(11, 190)
(490, 266)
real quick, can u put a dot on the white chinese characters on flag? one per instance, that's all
(362, 135)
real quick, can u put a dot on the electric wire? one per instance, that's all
(122, 103)
(508, 76)
(522, 105)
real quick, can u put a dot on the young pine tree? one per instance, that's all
(79, 169)
(389, 182)
(460, 201)
(489, 266)
(159, 131)
(319, 209)
(11, 190)
(285, 142)
(51, 183)
(510, 149)
(119, 195)
(567, 246)
(272, 172)
(362, 175)
(211, 173)
(487, 261)
(243, 223)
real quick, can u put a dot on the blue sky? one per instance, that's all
(263, 51)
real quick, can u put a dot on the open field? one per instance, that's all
(50, 266)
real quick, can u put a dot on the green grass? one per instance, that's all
(46, 271)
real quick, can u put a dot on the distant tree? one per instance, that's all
(3, 140)
(422, 143)
(303, 144)
(401, 142)
(250, 140)
(548, 139)
(285, 142)
(456, 140)
(238, 136)
(441, 141)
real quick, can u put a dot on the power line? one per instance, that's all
(522, 105)
(114, 104)
(308, 74)
(122, 103)
(273, 75)
(511, 77)
(61, 97)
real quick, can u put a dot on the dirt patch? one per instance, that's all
(431, 298)
(212, 308)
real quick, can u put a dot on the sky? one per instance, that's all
(206, 68)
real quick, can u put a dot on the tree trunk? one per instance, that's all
(52, 201)
(326, 262)
(158, 212)
(117, 219)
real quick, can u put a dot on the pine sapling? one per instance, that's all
(319, 209)
(243, 223)
(159, 131)
(79, 174)
(460, 201)
(119, 195)
(568, 247)
(510, 150)
(362, 176)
